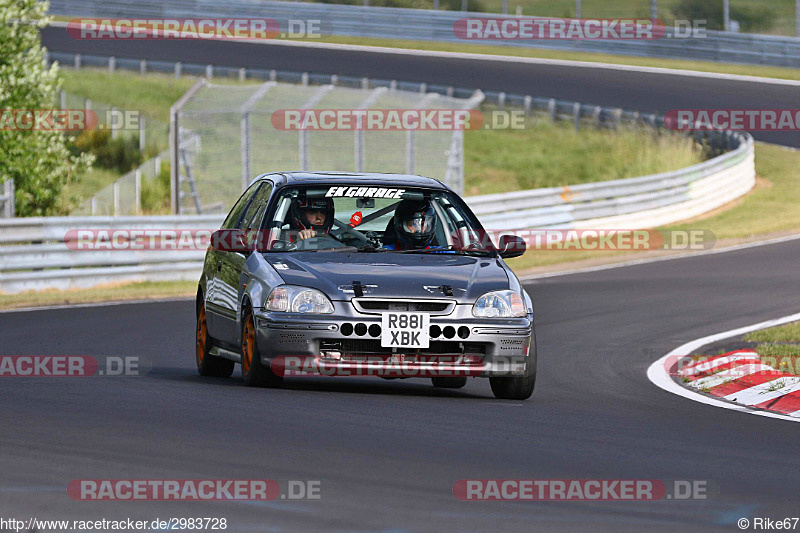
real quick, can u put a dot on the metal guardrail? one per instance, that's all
(34, 255)
(7, 199)
(421, 24)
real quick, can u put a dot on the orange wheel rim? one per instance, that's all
(202, 335)
(249, 339)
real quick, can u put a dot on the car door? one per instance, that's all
(229, 282)
(216, 290)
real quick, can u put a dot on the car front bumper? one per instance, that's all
(466, 345)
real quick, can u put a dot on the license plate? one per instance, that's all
(405, 330)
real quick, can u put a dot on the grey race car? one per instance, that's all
(362, 274)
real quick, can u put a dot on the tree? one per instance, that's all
(37, 161)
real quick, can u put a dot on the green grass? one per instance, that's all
(550, 154)
(147, 290)
(770, 349)
(785, 333)
(153, 94)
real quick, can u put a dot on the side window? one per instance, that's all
(254, 214)
(236, 213)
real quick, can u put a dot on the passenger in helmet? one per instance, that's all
(414, 224)
(311, 217)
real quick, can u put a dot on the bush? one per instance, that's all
(155, 192)
(120, 154)
(750, 18)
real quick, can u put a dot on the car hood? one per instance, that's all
(392, 275)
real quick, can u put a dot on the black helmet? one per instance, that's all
(300, 205)
(415, 223)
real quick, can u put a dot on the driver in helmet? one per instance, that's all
(414, 224)
(311, 217)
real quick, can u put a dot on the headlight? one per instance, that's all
(499, 304)
(292, 299)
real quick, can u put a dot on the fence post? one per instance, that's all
(334, 80)
(9, 201)
(142, 127)
(304, 79)
(138, 190)
(273, 75)
(178, 68)
(77, 61)
(242, 74)
(114, 132)
(112, 64)
(552, 109)
(365, 83)
(115, 189)
(87, 104)
(63, 99)
(245, 149)
(411, 151)
(143, 67)
(501, 100)
(209, 71)
(94, 205)
(598, 116)
(576, 115)
(527, 105)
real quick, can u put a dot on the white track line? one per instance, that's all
(509, 59)
(659, 376)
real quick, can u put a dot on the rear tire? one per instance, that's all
(517, 387)
(254, 372)
(207, 364)
(449, 382)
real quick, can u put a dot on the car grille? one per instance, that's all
(363, 347)
(376, 305)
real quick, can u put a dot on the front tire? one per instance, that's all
(517, 387)
(207, 364)
(254, 372)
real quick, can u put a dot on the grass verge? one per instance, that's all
(147, 290)
(785, 333)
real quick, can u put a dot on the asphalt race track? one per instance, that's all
(387, 453)
(640, 91)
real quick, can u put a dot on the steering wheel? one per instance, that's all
(317, 243)
(345, 231)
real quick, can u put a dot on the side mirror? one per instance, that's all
(511, 246)
(230, 240)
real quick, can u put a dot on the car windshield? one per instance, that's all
(373, 219)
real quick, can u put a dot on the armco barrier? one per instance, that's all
(33, 255)
(425, 24)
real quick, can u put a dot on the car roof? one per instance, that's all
(375, 178)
